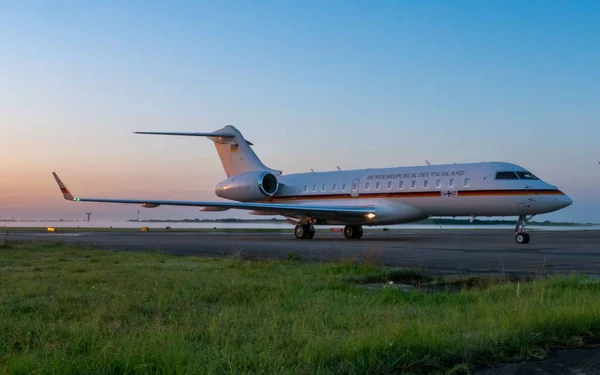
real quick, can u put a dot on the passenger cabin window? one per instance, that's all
(377, 185)
(343, 187)
(366, 186)
(413, 184)
(438, 184)
(426, 184)
(314, 187)
(401, 185)
(389, 185)
(506, 176)
(467, 181)
(334, 187)
(323, 187)
(305, 188)
(451, 183)
(354, 185)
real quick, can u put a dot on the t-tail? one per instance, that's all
(234, 150)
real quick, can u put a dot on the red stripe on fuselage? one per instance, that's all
(418, 194)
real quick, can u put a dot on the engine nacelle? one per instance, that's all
(248, 187)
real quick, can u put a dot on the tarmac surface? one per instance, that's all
(437, 251)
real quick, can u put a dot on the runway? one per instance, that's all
(435, 251)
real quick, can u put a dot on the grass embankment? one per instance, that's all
(71, 310)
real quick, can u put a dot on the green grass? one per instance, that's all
(72, 310)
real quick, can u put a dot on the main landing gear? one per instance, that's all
(521, 236)
(304, 231)
(353, 232)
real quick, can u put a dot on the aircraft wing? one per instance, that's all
(315, 211)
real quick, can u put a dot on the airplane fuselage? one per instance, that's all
(406, 194)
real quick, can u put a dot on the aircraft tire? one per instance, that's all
(522, 238)
(299, 232)
(304, 232)
(353, 232)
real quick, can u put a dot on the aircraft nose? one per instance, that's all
(562, 201)
(567, 201)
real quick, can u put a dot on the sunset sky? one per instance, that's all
(313, 84)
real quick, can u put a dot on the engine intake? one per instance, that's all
(268, 184)
(248, 187)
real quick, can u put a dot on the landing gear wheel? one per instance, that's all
(306, 231)
(522, 238)
(353, 231)
(299, 231)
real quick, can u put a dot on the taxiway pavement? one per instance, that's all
(436, 251)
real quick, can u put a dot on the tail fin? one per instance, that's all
(234, 150)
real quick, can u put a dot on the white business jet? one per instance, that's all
(355, 198)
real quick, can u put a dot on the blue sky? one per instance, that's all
(313, 84)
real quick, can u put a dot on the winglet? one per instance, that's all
(66, 193)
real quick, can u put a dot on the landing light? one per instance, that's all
(370, 215)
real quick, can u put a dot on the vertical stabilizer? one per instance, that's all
(236, 154)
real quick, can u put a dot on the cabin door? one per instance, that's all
(355, 185)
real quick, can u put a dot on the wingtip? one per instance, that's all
(63, 188)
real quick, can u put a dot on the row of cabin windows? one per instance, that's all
(324, 187)
(413, 185)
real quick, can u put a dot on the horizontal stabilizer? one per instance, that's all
(223, 136)
(215, 134)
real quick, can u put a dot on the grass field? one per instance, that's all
(71, 310)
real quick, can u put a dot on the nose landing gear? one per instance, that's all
(521, 236)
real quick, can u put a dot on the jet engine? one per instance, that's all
(248, 187)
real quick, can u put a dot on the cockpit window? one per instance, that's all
(506, 176)
(515, 176)
(526, 176)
